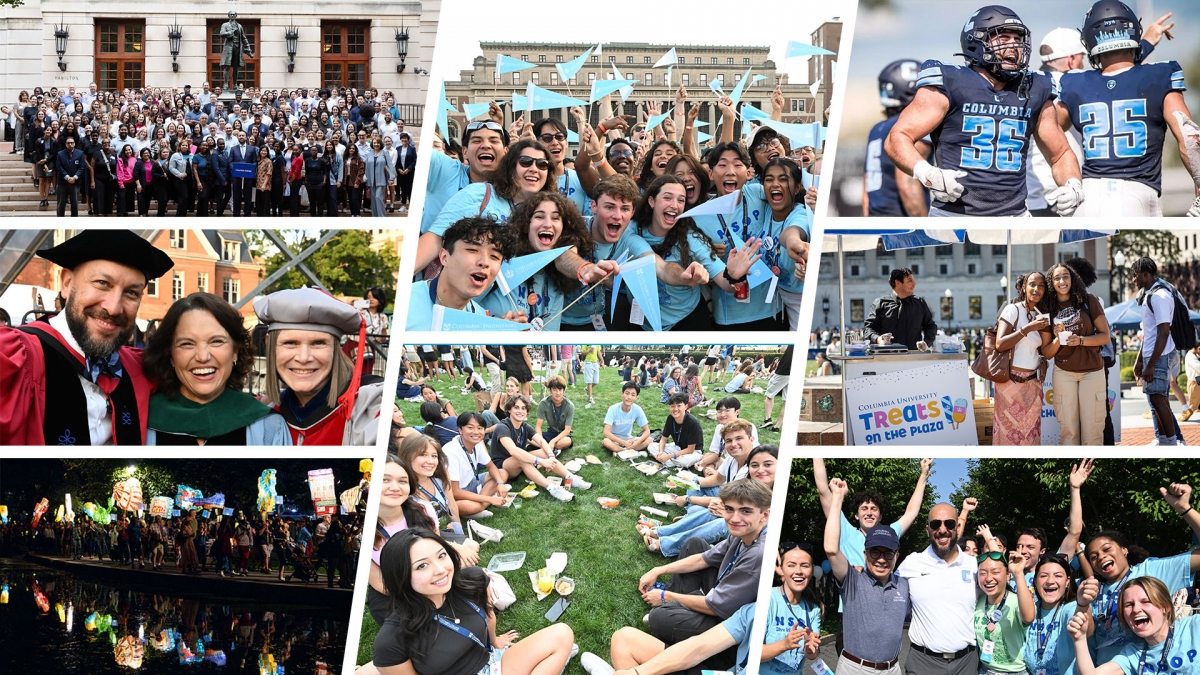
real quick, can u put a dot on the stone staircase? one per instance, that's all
(18, 195)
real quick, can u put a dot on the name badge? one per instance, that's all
(598, 323)
(820, 668)
(985, 654)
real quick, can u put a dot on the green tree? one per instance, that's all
(1162, 245)
(346, 264)
(1121, 494)
(11, 3)
(894, 479)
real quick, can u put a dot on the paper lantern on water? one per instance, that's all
(267, 665)
(164, 641)
(3, 514)
(190, 654)
(40, 598)
(4, 594)
(127, 494)
(215, 656)
(39, 510)
(129, 652)
(266, 491)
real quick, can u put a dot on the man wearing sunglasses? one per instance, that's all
(942, 589)
(875, 599)
(553, 135)
(484, 144)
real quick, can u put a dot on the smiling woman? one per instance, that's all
(200, 357)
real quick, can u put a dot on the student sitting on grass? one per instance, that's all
(422, 457)
(621, 419)
(558, 413)
(743, 380)
(496, 409)
(684, 432)
(511, 443)
(428, 393)
(476, 481)
(737, 435)
(728, 409)
(705, 520)
(671, 385)
(438, 424)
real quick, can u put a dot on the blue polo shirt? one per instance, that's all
(873, 618)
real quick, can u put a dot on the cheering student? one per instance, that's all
(512, 440)
(874, 598)
(540, 224)
(553, 135)
(700, 599)
(1048, 646)
(444, 618)
(1002, 615)
(868, 509)
(472, 251)
(475, 481)
(1115, 562)
(684, 432)
(557, 412)
(423, 455)
(522, 173)
(325, 397)
(728, 409)
(484, 144)
(199, 359)
(1078, 330)
(785, 238)
(96, 386)
(1145, 609)
(620, 420)
(1032, 542)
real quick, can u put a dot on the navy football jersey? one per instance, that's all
(882, 195)
(1121, 119)
(986, 133)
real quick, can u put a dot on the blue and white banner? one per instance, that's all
(795, 48)
(515, 271)
(473, 110)
(537, 98)
(642, 281)
(448, 319)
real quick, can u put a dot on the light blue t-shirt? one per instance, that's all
(853, 542)
(420, 307)
(549, 300)
(595, 300)
(751, 219)
(466, 204)
(1110, 636)
(739, 626)
(571, 188)
(778, 256)
(782, 617)
(623, 423)
(446, 177)
(735, 383)
(676, 302)
(1182, 659)
(1049, 649)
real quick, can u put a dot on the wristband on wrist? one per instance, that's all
(579, 272)
(663, 596)
(600, 163)
(600, 128)
(1190, 508)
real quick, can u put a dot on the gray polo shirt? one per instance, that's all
(738, 569)
(873, 615)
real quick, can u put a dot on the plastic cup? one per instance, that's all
(1063, 337)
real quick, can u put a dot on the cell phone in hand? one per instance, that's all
(557, 609)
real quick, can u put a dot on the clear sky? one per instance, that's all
(464, 23)
(947, 474)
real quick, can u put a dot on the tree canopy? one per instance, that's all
(346, 264)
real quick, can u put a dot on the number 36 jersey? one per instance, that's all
(1121, 119)
(986, 133)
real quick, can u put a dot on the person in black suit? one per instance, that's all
(243, 188)
(279, 169)
(148, 175)
(223, 177)
(69, 166)
(406, 164)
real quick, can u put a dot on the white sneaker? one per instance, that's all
(574, 651)
(595, 665)
(577, 482)
(481, 515)
(560, 493)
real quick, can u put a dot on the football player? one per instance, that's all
(981, 118)
(1123, 109)
(887, 191)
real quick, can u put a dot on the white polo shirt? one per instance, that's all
(943, 600)
(460, 465)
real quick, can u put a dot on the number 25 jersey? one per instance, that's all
(987, 133)
(1121, 119)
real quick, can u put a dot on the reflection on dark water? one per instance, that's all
(56, 623)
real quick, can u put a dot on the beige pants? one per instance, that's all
(1193, 395)
(1080, 400)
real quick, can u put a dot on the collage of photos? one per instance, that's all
(625, 504)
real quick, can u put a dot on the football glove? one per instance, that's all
(943, 183)
(1194, 212)
(1066, 198)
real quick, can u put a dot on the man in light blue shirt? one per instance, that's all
(484, 144)
(621, 419)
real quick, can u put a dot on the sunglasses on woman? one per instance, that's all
(546, 138)
(527, 161)
(992, 555)
(785, 546)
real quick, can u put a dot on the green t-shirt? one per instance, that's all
(1007, 635)
(556, 417)
(592, 354)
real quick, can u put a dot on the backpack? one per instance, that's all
(1183, 333)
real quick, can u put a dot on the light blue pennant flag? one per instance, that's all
(441, 114)
(450, 319)
(799, 134)
(795, 49)
(537, 98)
(715, 85)
(642, 282)
(702, 137)
(721, 206)
(657, 119)
(668, 59)
(626, 91)
(515, 271)
(507, 64)
(758, 78)
(473, 110)
(736, 94)
(572, 137)
(699, 124)
(751, 114)
(602, 88)
(567, 70)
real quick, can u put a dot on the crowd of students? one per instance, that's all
(979, 603)
(504, 193)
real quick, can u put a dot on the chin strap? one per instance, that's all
(346, 400)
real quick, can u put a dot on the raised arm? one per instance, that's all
(1178, 496)
(914, 502)
(1077, 629)
(725, 105)
(1079, 475)
(968, 506)
(833, 529)
(1026, 605)
(822, 481)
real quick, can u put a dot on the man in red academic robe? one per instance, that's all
(71, 380)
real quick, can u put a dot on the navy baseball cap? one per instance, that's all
(882, 537)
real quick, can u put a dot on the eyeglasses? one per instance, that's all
(785, 546)
(766, 145)
(950, 524)
(993, 555)
(546, 138)
(527, 161)
(475, 126)
(621, 153)
(881, 553)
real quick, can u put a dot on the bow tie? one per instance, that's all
(99, 369)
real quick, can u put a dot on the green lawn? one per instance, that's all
(606, 556)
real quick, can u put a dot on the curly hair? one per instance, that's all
(646, 177)
(677, 237)
(477, 230)
(156, 360)
(1050, 303)
(504, 177)
(868, 496)
(574, 232)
